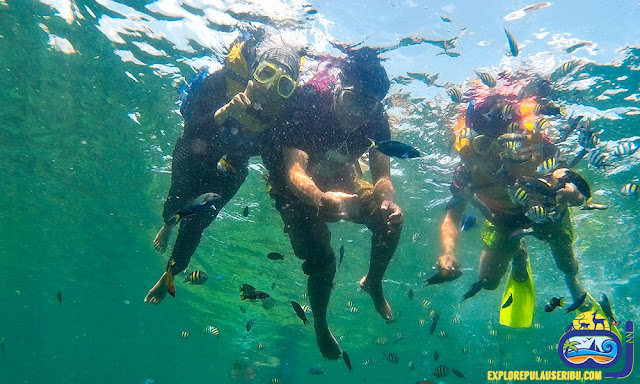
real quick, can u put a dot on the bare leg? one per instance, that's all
(382, 249)
(162, 238)
(319, 288)
(159, 291)
(566, 261)
(493, 265)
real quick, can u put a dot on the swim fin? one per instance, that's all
(596, 306)
(520, 313)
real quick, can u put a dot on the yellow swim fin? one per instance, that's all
(596, 306)
(519, 314)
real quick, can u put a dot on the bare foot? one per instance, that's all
(162, 238)
(158, 292)
(375, 291)
(328, 344)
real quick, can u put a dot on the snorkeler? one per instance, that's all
(316, 179)
(226, 114)
(511, 172)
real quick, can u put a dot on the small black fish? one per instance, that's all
(392, 357)
(60, 297)
(455, 94)
(247, 288)
(196, 277)
(553, 303)
(576, 304)
(410, 294)
(441, 371)
(316, 371)
(434, 323)
(2, 347)
(443, 276)
(275, 256)
(245, 211)
(606, 308)
(513, 44)
(501, 349)
(255, 295)
(347, 361)
(468, 221)
(458, 373)
(250, 324)
(201, 203)
(273, 285)
(341, 254)
(445, 19)
(436, 355)
(396, 149)
(508, 302)
(473, 289)
(299, 312)
(242, 309)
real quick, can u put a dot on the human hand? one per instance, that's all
(237, 107)
(447, 262)
(568, 194)
(332, 205)
(392, 215)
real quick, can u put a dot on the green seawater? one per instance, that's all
(81, 195)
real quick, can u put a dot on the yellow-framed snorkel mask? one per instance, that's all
(269, 74)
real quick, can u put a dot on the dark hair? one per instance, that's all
(363, 69)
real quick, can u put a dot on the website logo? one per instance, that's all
(590, 343)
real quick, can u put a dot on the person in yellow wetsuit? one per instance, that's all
(499, 141)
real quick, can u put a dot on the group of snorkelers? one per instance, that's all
(312, 135)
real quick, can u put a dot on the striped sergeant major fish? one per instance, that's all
(488, 79)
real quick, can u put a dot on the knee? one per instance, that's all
(325, 267)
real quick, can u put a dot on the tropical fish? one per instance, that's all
(548, 165)
(341, 255)
(493, 332)
(184, 334)
(247, 288)
(488, 79)
(196, 277)
(445, 19)
(299, 312)
(508, 301)
(260, 346)
(630, 189)
(411, 365)
(538, 214)
(455, 94)
(567, 67)
(536, 185)
(316, 371)
(626, 148)
(397, 149)
(598, 159)
(245, 211)
(578, 45)
(441, 371)
(255, 295)
(606, 308)
(392, 357)
(540, 125)
(275, 256)
(60, 297)
(211, 330)
(353, 309)
(381, 340)
(306, 308)
(399, 336)
(576, 304)
(200, 204)
(434, 323)
(347, 361)
(443, 276)
(410, 294)
(250, 324)
(436, 355)
(458, 373)
(553, 303)
(274, 380)
(513, 44)
(442, 334)
(519, 196)
(369, 361)
(473, 289)
(225, 166)
(580, 183)
(468, 221)
(589, 139)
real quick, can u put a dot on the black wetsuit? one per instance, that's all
(195, 158)
(332, 160)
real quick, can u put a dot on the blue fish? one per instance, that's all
(315, 371)
(397, 149)
(468, 221)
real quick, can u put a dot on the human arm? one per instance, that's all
(384, 191)
(239, 108)
(569, 194)
(449, 237)
(298, 180)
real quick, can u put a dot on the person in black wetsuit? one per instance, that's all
(316, 178)
(226, 115)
